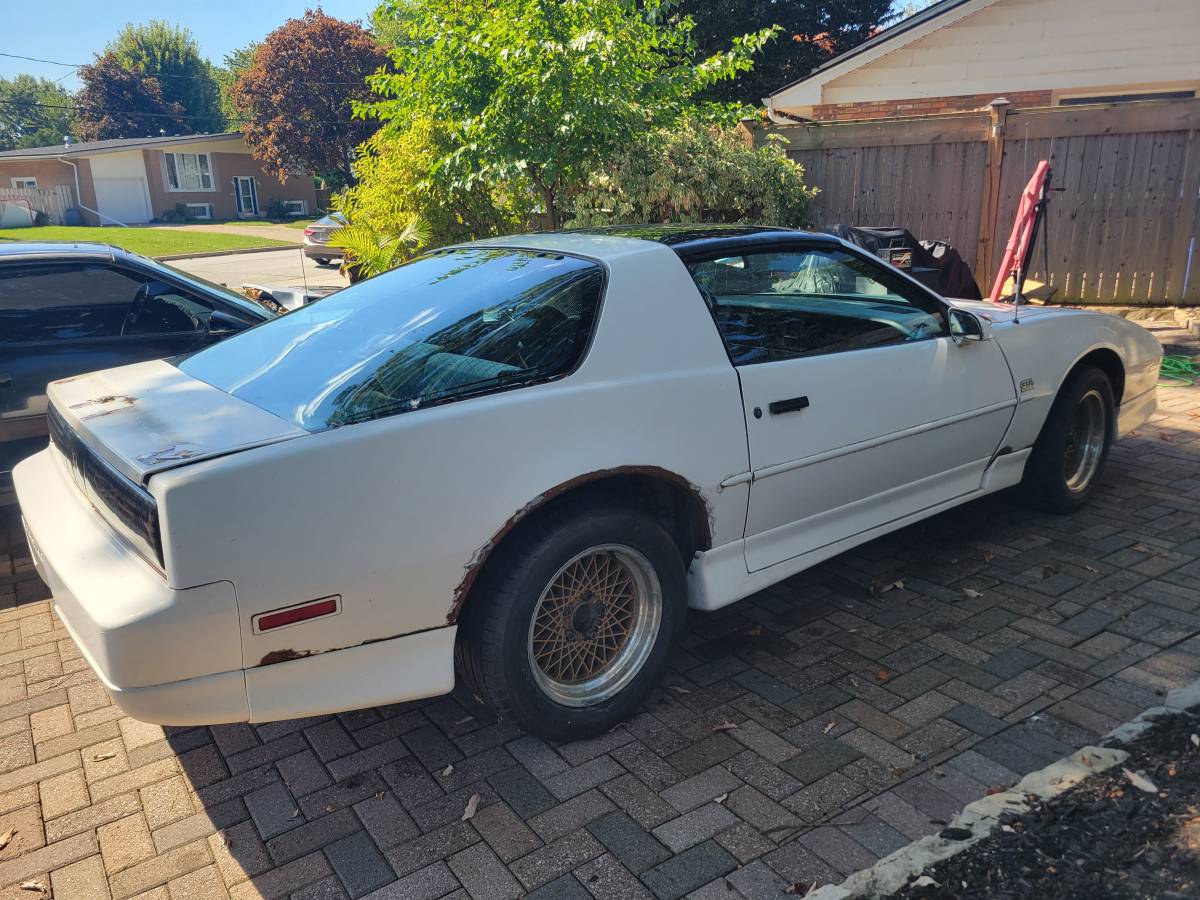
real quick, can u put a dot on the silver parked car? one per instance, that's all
(316, 239)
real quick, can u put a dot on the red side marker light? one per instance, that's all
(327, 606)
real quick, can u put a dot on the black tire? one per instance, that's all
(1055, 462)
(321, 260)
(495, 642)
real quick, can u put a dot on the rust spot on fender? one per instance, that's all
(120, 400)
(480, 557)
(278, 656)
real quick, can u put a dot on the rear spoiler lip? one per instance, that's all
(178, 462)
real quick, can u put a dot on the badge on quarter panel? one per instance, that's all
(1026, 385)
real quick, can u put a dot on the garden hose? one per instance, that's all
(1179, 370)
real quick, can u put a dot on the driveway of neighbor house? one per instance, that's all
(278, 267)
(866, 716)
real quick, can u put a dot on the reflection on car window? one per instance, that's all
(779, 305)
(63, 301)
(449, 325)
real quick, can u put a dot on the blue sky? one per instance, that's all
(74, 30)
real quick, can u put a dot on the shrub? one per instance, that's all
(396, 181)
(696, 173)
(177, 215)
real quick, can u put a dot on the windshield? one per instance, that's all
(449, 325)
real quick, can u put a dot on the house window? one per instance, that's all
(28, 183)
(199, 210)
(295, 207)
(1126, 98)
(188, 172)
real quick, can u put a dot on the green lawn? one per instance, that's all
(146, 241)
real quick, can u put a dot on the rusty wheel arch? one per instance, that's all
(696, 519)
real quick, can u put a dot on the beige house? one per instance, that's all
(961, 54)
(133, 180)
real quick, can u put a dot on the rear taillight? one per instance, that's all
(308, 232)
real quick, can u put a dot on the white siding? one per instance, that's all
(1017, 45)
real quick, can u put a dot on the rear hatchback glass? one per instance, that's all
(451, 325)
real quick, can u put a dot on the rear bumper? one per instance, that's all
(174, 656)
(322, 251)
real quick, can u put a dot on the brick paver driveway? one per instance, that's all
(872, 697)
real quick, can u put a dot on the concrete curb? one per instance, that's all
(981, 818)
(171, 256)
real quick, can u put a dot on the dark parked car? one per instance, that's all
(66, 309)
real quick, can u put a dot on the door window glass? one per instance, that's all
(63, 302)
(161, 308)
(784, 304)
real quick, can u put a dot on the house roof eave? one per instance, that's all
(806, 91)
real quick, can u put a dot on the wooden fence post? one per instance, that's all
(998, 110)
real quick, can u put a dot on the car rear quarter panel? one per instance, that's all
(392, 514)
(1043, 347)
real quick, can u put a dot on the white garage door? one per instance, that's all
(123, 199)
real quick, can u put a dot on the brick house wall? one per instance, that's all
(52, 173)
(923, 106)
(225, 167)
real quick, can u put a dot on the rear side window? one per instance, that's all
(63, 302)
(448, 326)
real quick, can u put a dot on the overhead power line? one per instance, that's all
(78, 107)
(55, 62)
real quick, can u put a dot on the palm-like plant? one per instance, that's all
(369, 249)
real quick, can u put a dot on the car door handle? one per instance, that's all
(795, 404)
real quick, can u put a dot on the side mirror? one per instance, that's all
(967, 326)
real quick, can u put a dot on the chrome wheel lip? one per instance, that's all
(1086, 440)
(630, 658)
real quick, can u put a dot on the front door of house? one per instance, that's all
(247, 196)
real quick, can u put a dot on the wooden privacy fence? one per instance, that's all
(54, 201)
(1124, 229)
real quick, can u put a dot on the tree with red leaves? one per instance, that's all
(296, 96)
(120, 102)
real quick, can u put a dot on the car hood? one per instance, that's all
(150, 416)
(1003, 312)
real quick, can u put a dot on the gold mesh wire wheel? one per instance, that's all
(1086, 436)
(595, 625)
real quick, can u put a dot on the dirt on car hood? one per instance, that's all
(150, 416)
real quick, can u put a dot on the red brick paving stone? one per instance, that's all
(551, 861)
(48, 858)
(239, 853)
(159, 870)
(284, 880)
(166, 801)
(64, 793)
(92, 816)
(505, 833)
(203, 884)
(606, 879)
(100, 737)
(15, 799)
(125, 842)
(51, 723)
(570, 815)
(430, 883)
(482, 873)
(27, 822)
(84, 880)
(39, 771)
(16, 751)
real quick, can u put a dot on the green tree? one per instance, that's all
(170, 54)
(534, 94)
(812, 31)
(236, 63)
(34, 112)
(119, 102)
(696, 172)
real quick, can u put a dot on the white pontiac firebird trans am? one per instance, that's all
(524, 458)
